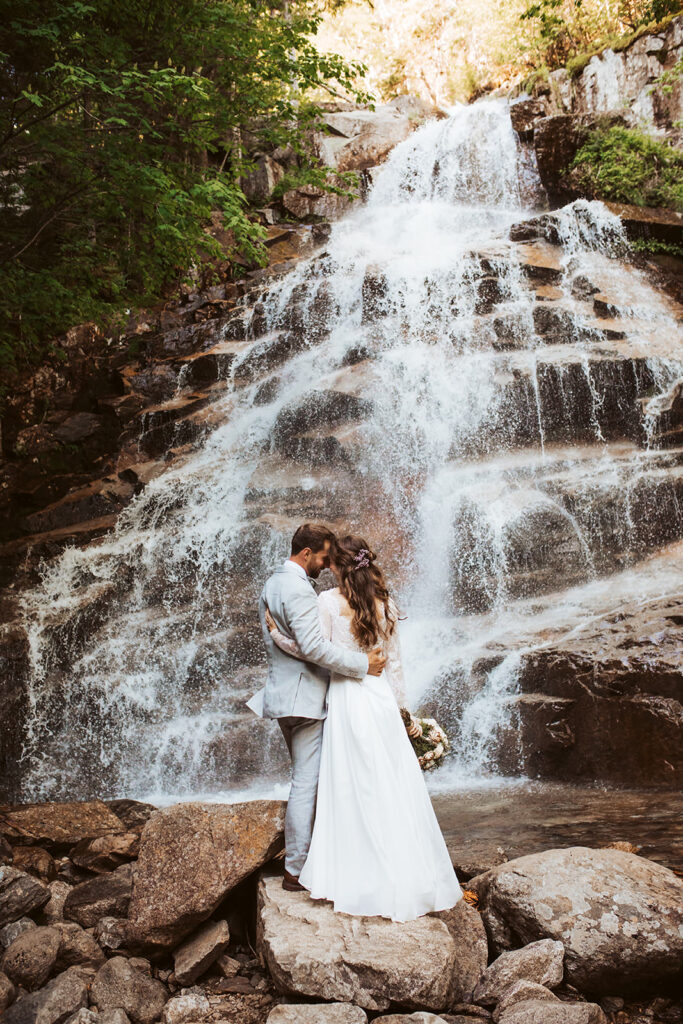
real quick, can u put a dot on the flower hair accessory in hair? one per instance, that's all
(362, 559)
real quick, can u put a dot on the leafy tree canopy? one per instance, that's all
(122, 125)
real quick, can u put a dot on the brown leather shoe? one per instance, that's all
(292, 884)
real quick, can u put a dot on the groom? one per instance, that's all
(296, 691)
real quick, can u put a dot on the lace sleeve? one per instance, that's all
(286, 643)
(394, 667)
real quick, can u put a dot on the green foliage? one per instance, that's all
(624, 165)
(570, 32)
(122, 127)
(344, 183)
(657, 246)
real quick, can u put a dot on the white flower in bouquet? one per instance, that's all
(432, 745)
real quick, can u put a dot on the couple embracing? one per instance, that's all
(360, 829)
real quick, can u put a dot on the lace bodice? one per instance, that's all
(337, 628)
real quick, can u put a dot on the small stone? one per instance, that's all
(83, 1016)
(77, 947)
(141, 963)
(110, 933)
(197, 953)
(36, 862)
(118, 985)
(318, 1013)
(540, 1011)
(105, 853)
(31, 957)
(612, 1004)
(421, 1017)
(7, 992)
(11, 931)
(227, 966)
(20, 894)
(56, 1002)
(470, 1010)
(238, 984)
(190, 1005)
(108, 895)
(520, 992)
(117, 1016)
(54, 908)
(540, 962)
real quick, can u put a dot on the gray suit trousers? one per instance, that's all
(303, 737)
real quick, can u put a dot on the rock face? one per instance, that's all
(371, 962)
(619, 916)
(191, 856)
(118, 985)
(625, 81)
(605, 704)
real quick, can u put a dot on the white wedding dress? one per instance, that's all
(376, 848)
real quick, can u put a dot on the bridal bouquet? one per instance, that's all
(432, 745)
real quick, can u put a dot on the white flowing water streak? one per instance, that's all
(463, 453)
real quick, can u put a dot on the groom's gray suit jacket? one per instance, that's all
(295, 687)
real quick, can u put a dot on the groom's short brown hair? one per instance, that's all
(313, 536)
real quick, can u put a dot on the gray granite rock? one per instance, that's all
(20, 894)
(53, 1004)
(618, 916)
(317, 1013)
(196, 954)
(369, 961)
(541, 962)
(117, 985)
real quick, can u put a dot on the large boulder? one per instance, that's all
(191, 856)
(20, 894)
(104, 896)
(541, 962)
(618, 916)
(370, 961)
(29, 960)
(119, 985)
(53, 1004)
(57, 826)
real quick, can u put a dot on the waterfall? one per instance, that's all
(425, 380)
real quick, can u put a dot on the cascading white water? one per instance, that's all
(452, 440)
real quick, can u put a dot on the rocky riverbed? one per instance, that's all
(117, 913)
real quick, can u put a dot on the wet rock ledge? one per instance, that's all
(117, 913)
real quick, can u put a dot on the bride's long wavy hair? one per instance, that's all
(362, 584)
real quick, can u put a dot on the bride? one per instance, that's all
(376, 847)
